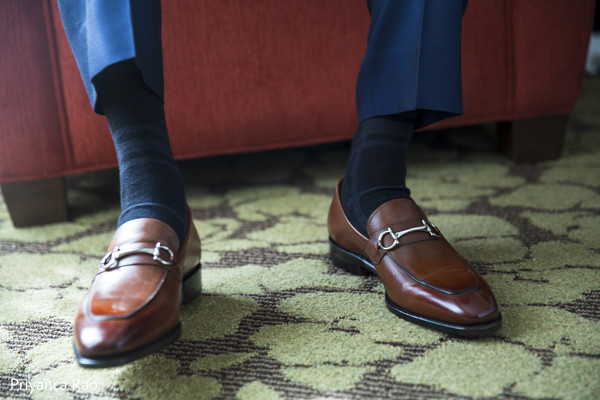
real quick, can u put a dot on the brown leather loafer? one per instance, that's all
(132, 307)
(426, 281)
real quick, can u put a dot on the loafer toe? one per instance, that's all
(426, 281)
(132, 306)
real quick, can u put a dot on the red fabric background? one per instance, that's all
(244, 76)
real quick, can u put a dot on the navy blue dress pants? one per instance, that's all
(412, 61)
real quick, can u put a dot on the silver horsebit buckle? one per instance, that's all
(426, 227)
(109, 261)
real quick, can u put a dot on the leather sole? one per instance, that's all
(125, 358)
(357, 265)
(191, 288)
(192, 284)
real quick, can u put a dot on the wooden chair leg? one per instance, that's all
(533, 139)
(36, 202)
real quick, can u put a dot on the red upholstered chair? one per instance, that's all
(245, 76)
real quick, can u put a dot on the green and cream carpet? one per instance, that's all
(278, 321)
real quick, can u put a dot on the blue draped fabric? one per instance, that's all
(412, 61)
(104, 32)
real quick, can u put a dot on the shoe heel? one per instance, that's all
(347, 261)
(192, 285)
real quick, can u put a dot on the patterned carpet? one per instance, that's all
(278, 321)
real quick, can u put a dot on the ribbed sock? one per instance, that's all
(150, 182)
(376, 169)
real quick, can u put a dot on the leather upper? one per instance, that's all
(422, 274)
(135, 299)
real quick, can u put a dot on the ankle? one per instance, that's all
(376, 168)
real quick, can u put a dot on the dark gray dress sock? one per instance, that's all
(376, 169)
(150, 181)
